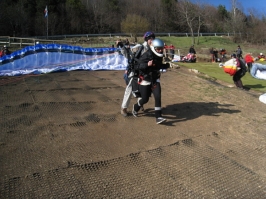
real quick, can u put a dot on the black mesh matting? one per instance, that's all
(62, 136)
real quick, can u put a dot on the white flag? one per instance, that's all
(46, 12)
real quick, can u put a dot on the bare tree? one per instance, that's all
(200, 10)
(236, 22)
(104, 17)
(149, 9)
(188, 12)
(134, 24)
(256, 28)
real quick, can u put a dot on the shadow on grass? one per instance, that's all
(254, 86)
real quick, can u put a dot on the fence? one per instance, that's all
(86, 38)
(21, 42)
(138, 35)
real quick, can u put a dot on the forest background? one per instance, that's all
(26, 18)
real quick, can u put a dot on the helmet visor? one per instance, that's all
(159, 49)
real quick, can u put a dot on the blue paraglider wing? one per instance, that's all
(48, 58)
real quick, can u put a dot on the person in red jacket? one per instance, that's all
(249, 60)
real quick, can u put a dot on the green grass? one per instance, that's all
(214, 71)
(208, 42)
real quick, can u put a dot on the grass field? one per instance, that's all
(212, 69)
(202, 48)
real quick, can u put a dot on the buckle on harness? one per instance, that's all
(140, 79)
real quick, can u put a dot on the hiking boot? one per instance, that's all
(142, 108)
(135, 113)
(124, 112)
(159, 120)
(240, 84)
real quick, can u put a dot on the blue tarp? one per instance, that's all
(56, 57)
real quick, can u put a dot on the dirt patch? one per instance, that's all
(62, 135)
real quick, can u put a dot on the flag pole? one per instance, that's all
(47, 26)
(46, 16)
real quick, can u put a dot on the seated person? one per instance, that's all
(6, 51)
(261, 56)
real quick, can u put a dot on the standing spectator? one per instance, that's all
(212, 55)
(119, 44)
(172, 51)
(121, 48)
(192, 50)
(165, 50)
(127, 42)
(239, 52)
(215, 53)
(249, 60)
(2, 52)
(127, 49)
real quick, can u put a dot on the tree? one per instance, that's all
(223, 13)
(167, 13)
(188, 12)
(200, 11)
(134, 24)
(237, 21)
(75, 13)
(113, 17)
(212, 21)
(256, 28)
(104, 15)
(26, 18)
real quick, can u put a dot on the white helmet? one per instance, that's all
(261, 54)
(157, 43)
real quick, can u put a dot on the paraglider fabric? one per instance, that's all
(48, 58)
(230, 67)
(258, 71)
(262, 98)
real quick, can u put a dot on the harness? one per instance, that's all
(133, 70)
(152, 73)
